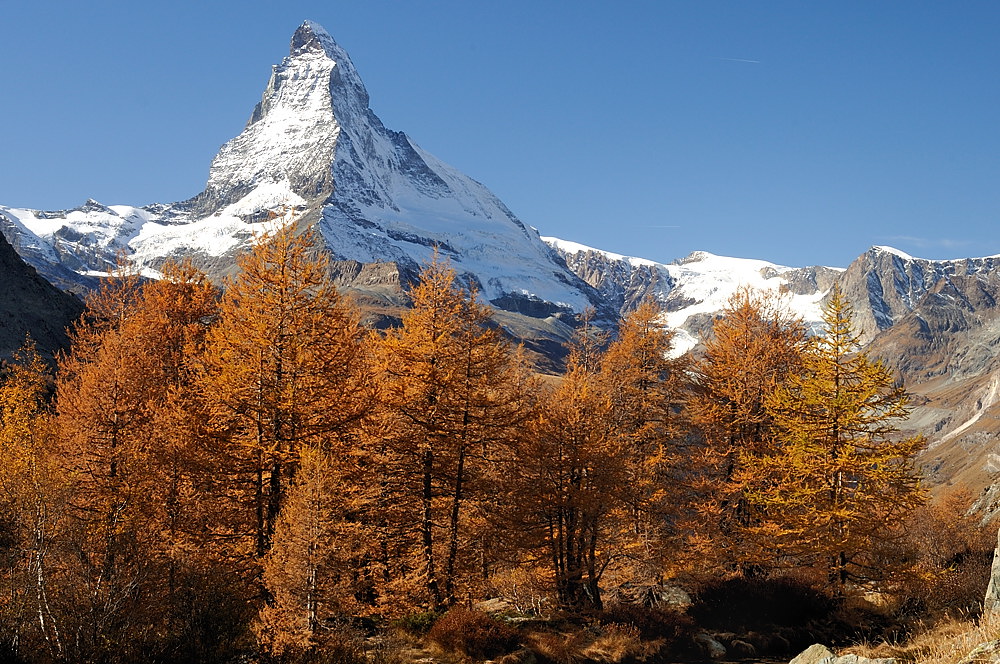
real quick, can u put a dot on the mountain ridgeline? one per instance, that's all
(313, 150)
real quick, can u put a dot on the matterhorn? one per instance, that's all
(314, 151)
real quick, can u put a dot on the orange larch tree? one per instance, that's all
(648, 390)
(282, 369)
(755, 347)
(451, 389)
(118, 392)
(843, 475)
(33, 498)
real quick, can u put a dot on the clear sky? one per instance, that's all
(797, 132)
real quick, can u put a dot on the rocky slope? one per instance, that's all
(694, 289)
(31, 305)
(885, 284)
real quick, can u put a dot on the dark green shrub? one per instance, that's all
(473, 634)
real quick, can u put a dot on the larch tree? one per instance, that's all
(33, 498)
(648, 389)
(755, 347)
(844, 475)
(568, 476)
(105, 390)
(282, 370)
(588, 484)
(451, 389)
(119, 391)
(308, 569)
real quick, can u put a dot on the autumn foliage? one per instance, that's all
(211, 473)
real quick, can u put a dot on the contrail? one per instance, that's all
(752, 62)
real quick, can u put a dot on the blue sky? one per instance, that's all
(796, 132)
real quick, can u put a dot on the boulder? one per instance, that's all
(710, 645)
(992, 600)
(814, 654)
(820, 654)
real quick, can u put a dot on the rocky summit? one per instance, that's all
(315, 151)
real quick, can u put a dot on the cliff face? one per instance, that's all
(30, 305)
(884, 285)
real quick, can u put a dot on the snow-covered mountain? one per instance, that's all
(313, 147)
(314, 150)
(694, 289)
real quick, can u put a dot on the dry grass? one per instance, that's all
(561, 648)
(618, 643)
(947, 642)
(609, 643)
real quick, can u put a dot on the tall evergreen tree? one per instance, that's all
(648, 390)
(755, 347)
(33, 498)
(588, 488)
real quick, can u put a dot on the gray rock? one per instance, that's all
(712, 648)
(857, 659)
(814, 654)
(992, 599)
(820, 654)
(984, 653)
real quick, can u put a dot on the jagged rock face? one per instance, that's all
(952, 330)
(314, 148)
(31, 305)
(947, 350)
(883, 285)
(622, 283)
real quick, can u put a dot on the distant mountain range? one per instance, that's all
(314, 150)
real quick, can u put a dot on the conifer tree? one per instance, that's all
(648, 391)
(755, 347)
(282, 369)
(123, 447)
(843, 476)
(587, 484)
(307, 570)
(106, 389)
(570, 473)
(33, 498)
(451, 390)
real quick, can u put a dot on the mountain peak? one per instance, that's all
(311, 36)
(882, 249)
